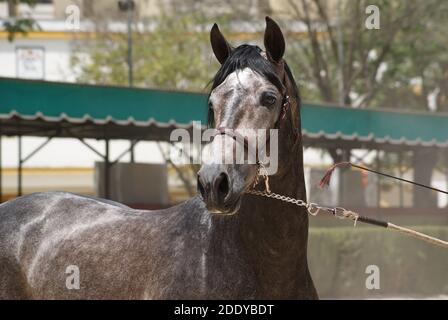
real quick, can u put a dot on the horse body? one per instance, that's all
(181, 252)
(121, 253)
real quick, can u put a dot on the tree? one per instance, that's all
(400, 65)
(338, 60)
(341, 60)
(172, 55)
(17, 24)
(421, 69)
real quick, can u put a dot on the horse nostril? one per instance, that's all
(222, 185)
(201, 188)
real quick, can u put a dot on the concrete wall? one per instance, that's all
(134, 183)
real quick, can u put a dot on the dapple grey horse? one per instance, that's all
(222, 244)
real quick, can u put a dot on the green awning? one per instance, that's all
(364, 127)
(43, 108)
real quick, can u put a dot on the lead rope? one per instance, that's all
(338, 212)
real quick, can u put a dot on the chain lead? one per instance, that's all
(312, 208)
(280, 197)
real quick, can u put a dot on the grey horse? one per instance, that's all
(222, 244)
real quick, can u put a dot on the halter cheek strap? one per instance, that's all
(286, 104)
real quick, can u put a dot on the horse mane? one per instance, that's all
(249, 56)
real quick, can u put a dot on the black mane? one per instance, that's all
(249, 56)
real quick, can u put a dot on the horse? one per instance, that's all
(224, 243)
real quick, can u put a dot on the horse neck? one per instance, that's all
(290, 181)
(276, 215)
(275, 233)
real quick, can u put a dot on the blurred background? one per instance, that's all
(90, 91)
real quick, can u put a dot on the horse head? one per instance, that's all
(253, 98)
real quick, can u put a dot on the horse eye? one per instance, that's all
(268, 100)
(210, 105)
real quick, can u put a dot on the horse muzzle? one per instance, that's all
(217, 190)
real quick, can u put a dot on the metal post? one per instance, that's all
(19, 173)
(400, 185)
(340, 48)
(343, 173)
(130, 9)
(1, 170)
(106, 171)
(378, 181)
(131, 151)
(446, 170)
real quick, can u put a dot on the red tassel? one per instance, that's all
(325, 181)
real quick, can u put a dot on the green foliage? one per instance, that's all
(173, 56)
(16, 25)
(421, 53)
(380, 67)
(22, 26)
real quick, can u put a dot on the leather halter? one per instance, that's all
(286, 104)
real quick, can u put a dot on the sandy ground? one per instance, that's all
(439, 297)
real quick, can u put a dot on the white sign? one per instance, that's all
(30, 62)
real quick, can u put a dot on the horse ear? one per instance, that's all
(220, 46)
(274, 42)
